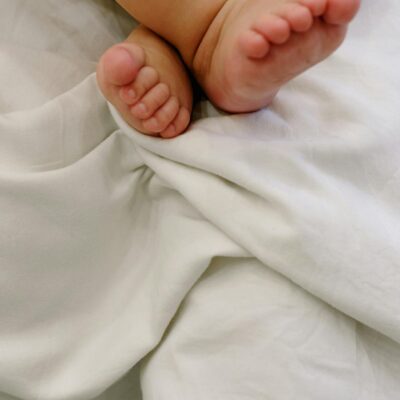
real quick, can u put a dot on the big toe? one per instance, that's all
(339, 12)
(120, 64)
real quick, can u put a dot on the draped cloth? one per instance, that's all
(257, 256)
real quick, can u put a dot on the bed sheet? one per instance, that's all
(255, 257)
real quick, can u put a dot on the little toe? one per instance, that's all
(151, 101)
(163, 116)
(170, 132)
(274, 28)
(178, 125)
(298, 16)
(254, 44)
(317, 7)
(341, 12)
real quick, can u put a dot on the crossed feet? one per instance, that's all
(250, 50)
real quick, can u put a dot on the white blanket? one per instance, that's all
(255, 257)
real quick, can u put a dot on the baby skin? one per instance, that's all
(241, 52)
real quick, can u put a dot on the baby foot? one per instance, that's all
(253, 47)
(147, 83)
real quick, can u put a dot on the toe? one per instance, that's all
(145, 80)
(178, 125)
(274, 28)
(120, 64)
(170, 132)
(317, 7)
(340, 12)
(163, 116)
(182, 120)
(151, 101)
(254, 44)
(298, 16)
(128, 95)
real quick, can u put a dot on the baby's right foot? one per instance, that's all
(146, 82)
(253, 47)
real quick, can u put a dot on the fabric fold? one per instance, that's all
(117, 248)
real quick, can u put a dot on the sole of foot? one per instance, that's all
(147, 83)
(253, 47)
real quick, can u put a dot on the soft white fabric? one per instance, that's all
(258, 255)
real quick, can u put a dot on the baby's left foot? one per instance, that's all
(147, 83)
(253, 47)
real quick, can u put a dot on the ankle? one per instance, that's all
(202, 16)
(183, 23)
(200, 61)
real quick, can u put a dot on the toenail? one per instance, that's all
(127, 95)
(139, 108)
(152, 124)
(131, 94)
